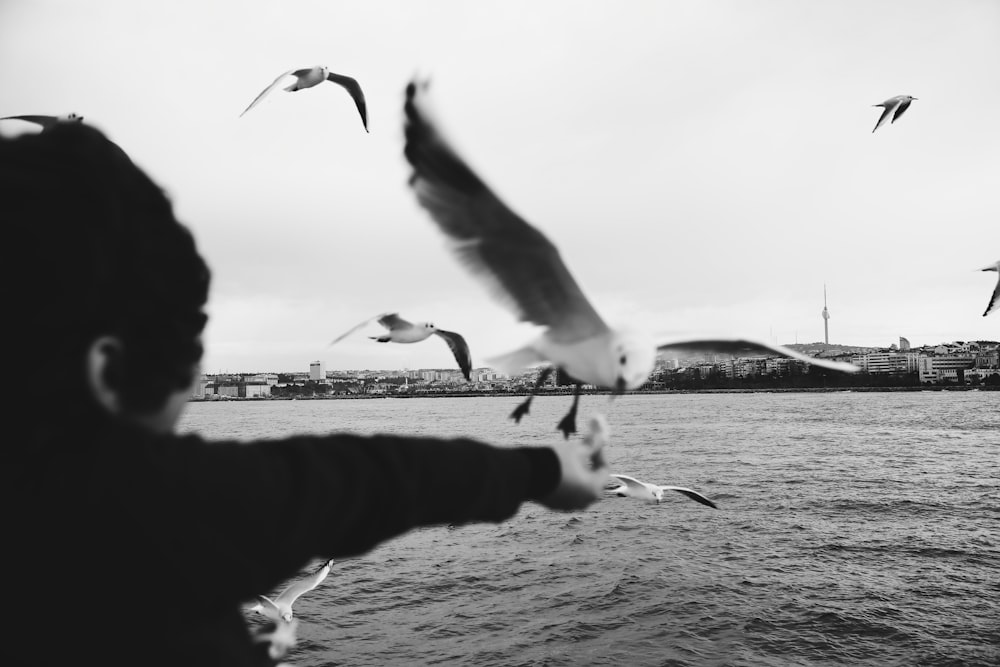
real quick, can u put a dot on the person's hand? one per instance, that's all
(584, 472)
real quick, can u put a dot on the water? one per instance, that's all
(854, 528)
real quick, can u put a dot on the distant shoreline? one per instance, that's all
(569, 392)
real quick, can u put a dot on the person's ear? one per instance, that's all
(104, 358)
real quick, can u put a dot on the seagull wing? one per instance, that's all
(900, 110)
(460, 349)
(354, 88)
(885, 114)
(268, 608)
(519, 265)
(994, 304)
(632, 483)
(264, 92)
(737, 346)
(356, 327)
(295, 590)
(393, 322)
(46, 122)
(693, 495)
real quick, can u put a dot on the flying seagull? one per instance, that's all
(654, 492)
(47, 122)
(312, 76)
(896, 106)
(524, 271)
(280, 609)
(402, 331)
(994, 304)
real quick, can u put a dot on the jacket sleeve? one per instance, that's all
(256, 513)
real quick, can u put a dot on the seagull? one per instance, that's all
(402, 331)
(524, 271)
(279, 610)
(653, 492)
(279, 636)
(47, 122)
(994, 304)
(899, 104)
(311, 76)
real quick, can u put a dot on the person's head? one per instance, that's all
(105, 304)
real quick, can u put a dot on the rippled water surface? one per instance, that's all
(852, 529)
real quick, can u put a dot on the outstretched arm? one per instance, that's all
(249, 515)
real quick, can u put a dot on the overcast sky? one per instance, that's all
(705, 166)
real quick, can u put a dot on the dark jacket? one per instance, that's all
(134, 549)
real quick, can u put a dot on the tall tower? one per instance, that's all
(826, 319)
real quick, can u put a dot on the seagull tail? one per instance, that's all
(514, 362)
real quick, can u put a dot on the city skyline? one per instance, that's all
(308, 366)
(955, 364)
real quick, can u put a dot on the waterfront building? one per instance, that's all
(255, 390)
(317, 371)
(945, 368)
(887, 362)
(782, 366)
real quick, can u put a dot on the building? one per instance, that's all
(887, 362)
(743, 367)
(989, 359)
(255, 390)
(265, 378)
(198, 391)
(946, 368)
(317, 371)
(782, 366)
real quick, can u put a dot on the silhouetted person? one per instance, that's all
(125, 543)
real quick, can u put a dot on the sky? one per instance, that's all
(705, 167)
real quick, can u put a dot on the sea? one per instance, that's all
(853, 528)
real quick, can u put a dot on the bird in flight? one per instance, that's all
(522, 268)
(47, 122)
(894, 106)
(633, 488)
(402, 331)
(280, 608)
(312, 76)
(994, 304)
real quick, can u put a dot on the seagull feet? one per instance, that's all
(520, 411)
(568, 424)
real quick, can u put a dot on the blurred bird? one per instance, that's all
(654, 492)
(402, 331)
(279, 636)
(896, 106)
(47, 122)
(312, 76)
(279, 610)
(523, 270)
(994, 304)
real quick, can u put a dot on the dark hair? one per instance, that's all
(100, 254)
